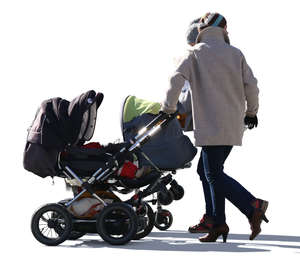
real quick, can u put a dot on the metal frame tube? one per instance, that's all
(100, 176)
(73, 174)
(90, 181)
(75, 198)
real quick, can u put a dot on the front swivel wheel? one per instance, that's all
(163, 219)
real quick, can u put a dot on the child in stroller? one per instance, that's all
(54, 148)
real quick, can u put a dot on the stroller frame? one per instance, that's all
(112, 165)
(56, 149)
(133, 218)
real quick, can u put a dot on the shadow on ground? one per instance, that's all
(186, 242)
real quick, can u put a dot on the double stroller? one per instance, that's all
(142, 165)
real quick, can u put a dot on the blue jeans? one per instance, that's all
(217, 185)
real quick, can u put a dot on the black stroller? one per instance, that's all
(55, 148)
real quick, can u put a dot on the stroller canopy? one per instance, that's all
(134, 107)
(83, 115)
(169, 148)
(57, 124)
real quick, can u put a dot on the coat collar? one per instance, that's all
(213, 33)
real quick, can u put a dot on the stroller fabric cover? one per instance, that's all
(167, 149)
(59, 123)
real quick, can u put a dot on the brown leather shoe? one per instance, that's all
(260, 208)
(255, 223)
(213, 235)
(204, 226)
(262, 205)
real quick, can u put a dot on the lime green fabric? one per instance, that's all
(134, 107)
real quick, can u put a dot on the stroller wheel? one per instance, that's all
(117, 223)
(51, 224)
(74, 235)
(165, 198)
(146, 220)
(163, 219)
(177, 190)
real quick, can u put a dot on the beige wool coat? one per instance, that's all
(223, 89)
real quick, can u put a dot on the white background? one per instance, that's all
(63, 48)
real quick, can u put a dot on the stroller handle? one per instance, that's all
(161, 117)
(161, 121)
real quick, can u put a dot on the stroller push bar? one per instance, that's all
(161, 117)
(149, 130)
(112, 165)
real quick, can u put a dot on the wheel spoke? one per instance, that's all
(49, 217)
(51, 233)
(49, 230)
(43, 231)
(56, 234)
(43, 218)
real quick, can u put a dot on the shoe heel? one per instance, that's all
(265, 218)
(264, 206)
(224, 237)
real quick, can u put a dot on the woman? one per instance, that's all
(222, 85)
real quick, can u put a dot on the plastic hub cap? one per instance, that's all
(52, 223)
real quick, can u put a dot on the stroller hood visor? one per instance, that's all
(83, 114)
(88, 123)
(134, 107)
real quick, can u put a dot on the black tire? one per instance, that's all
(163, 219)
(177, 191)
(117, 223)
(150, 218)
(51, 224)
(74, 235)
(165, 198)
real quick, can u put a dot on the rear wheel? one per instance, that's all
(146, 220)
(51, 224)
(117, 223)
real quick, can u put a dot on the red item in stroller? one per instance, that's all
(128, 170)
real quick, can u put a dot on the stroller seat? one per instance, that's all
(85, 162)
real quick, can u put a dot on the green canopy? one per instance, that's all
(134, 107)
